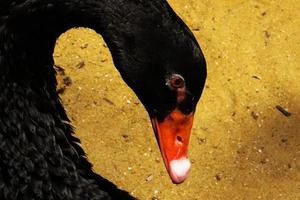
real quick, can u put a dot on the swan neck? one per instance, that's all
(28, 33)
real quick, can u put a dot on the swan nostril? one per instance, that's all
(179, 140)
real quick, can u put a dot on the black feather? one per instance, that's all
(39, 156)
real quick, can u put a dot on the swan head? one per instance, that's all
(160, 59)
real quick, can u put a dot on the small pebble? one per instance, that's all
(61, 90)
(80, 64)
(218, 177)
(256, 77)
(67, 81)
(108, 101)
(254, 115)
(149, 178)
(284, 111)
(267, 34)
(284, 140)
(259, 150)
(84, 46)
(201, 140)
(59, 70)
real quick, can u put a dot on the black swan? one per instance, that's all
(156, 55)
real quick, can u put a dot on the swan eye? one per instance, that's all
(176, 81)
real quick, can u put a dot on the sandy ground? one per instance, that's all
(243, 147)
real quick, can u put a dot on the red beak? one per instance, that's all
(173, 135)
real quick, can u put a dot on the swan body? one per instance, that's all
(157, 56)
